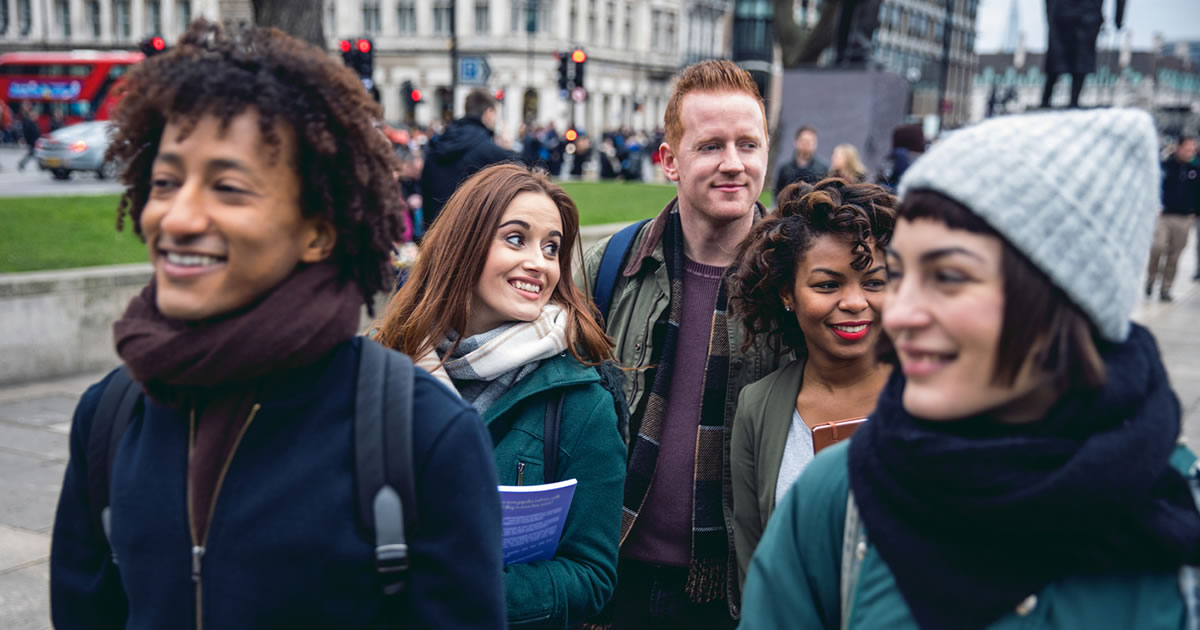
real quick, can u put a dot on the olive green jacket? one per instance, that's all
(760, 430)
(641, 298)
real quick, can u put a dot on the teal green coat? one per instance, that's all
(795, 576)
(580, 579)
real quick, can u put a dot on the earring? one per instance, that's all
(787, 307)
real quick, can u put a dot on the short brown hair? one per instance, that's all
(437, 296)
(713, 75)
(1034, 308)
(478, 102)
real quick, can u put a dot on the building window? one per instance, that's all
(153, 24)
(672, 44)
(610, 17)
(24, 17)
(656, 20)
(406, 17)
(483, 23)
(62, 14)
(92, 11)
(370, 17)
(331, 19)
(3, 18)
(591, 24)
(628, 29)
(574, 22)
(442, 15)
(183, 15)
(121, 21)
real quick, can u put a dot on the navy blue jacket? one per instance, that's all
(285, 547)
(1180, 187)
(465, 148)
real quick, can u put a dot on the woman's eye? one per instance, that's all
(875, 285)
(227, 188)
(161, 182)
(893, 275)
(949, 277)
(515, 240)
(826, 286)
(551, 249)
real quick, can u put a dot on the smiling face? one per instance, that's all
(837, 306)
(721, 158)
(944, 311)
(522, 267)
(223, 221)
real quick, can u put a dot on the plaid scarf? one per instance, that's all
(710, 546)
(485, 366)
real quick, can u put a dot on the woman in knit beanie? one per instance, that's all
(1021, 467)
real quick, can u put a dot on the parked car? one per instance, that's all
(79, 147)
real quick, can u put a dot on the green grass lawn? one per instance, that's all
(39, 233)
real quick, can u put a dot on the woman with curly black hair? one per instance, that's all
(227, 492)
(811, 278)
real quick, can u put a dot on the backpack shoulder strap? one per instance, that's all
(610, 264)
(854, 548)
(1189, 576)
(383, 458)
(550, 438)
(113, 413)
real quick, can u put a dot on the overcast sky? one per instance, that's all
(1175, 19)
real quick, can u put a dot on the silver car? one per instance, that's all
(79, 147)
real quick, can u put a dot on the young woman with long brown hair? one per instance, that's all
(491, 311)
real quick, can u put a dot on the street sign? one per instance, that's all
(579, 95)
(474, 70)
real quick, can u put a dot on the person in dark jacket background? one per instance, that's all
(804, 166)
(1180, 205)
(233, 497)
(467, 146)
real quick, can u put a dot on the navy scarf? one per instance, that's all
(973, 516)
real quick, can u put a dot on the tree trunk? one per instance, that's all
(299, 18)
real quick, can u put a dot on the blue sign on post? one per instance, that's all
(473, 70)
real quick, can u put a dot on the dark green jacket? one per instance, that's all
(795, 577)
(760, 430)
(641, 297)
(580, 579)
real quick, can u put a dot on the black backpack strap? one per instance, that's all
(610, 265)
(383, 458)
(113, 413)
(550, 439)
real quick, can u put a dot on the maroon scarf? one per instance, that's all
(293, 325)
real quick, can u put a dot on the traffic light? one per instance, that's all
(571, 135)
(500, 94)
(563, 71)
(359, 55)
(152, 45)
(579, 57)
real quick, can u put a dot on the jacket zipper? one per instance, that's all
(520, 473)
(198, 546)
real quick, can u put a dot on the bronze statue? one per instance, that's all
(1071, 49)
(848, 25)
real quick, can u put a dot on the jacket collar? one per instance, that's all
(651, 247)
(563, 370)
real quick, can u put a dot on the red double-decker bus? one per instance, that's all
(78, 84)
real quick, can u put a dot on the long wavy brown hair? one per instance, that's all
(862, 214)
(437, 297)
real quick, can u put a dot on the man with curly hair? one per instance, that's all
(264, 194)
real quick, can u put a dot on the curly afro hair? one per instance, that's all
(765, 269)
(343, 162)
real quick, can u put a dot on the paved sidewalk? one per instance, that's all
(35, 420)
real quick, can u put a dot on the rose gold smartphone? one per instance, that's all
(831, 433)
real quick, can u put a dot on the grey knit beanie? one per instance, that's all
(1077, 192)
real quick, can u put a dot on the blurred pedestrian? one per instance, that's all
(467, 146)
(908, 143)
(804, 166)
(1180, 207)
(1021, 468)
(490, 310)
(810, 278)
(847, 165)
(232, 493)
(29, 132)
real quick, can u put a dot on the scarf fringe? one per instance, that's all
(706, 580)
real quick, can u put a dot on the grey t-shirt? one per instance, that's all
(797, 453)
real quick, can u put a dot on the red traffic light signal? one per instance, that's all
(364, 45)
(571, 136)
(415, 96)
(500, 94)
(158, 43)
(578, 56)
(345, 45)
